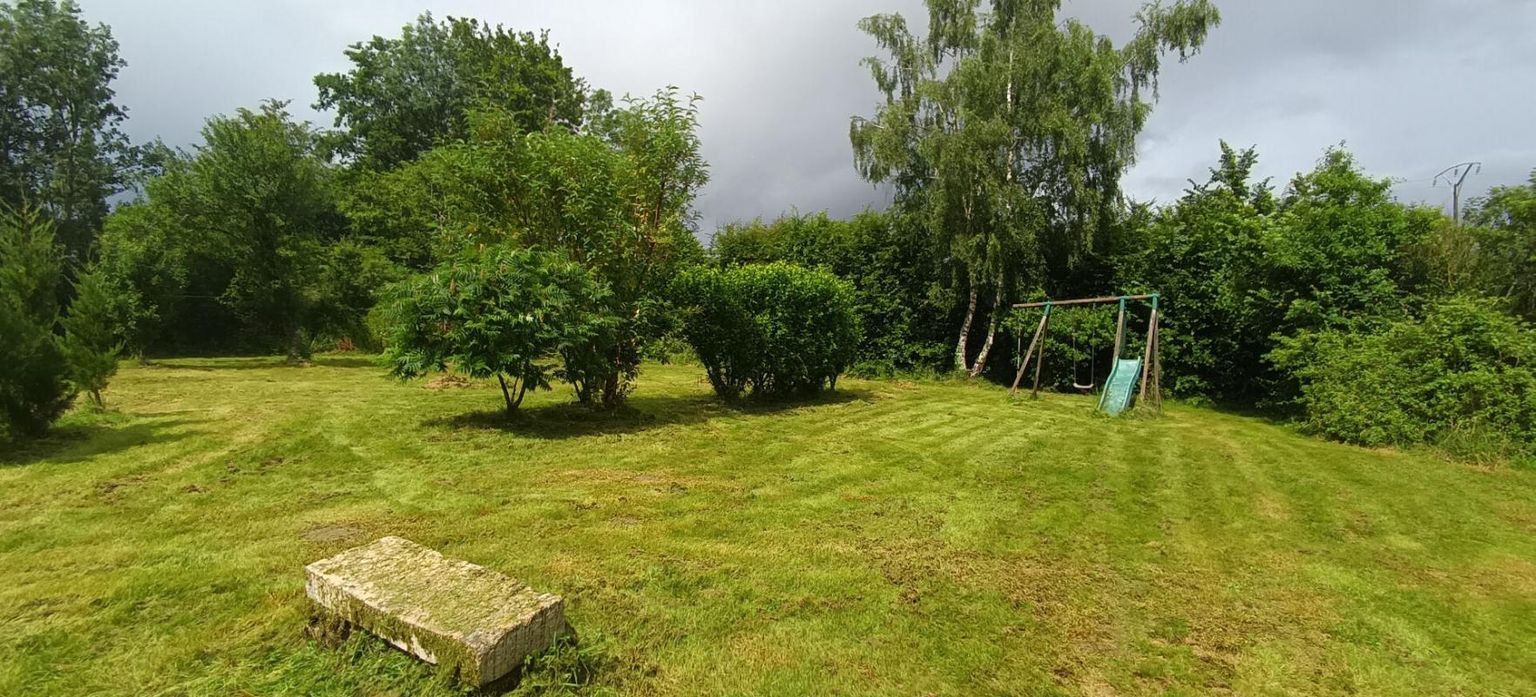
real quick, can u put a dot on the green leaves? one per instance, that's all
(61, 146)
(404, 96)
(892, 264)
(99, 322)
(1011, 129)
(616, 200)
(777, 330)
(244, 219)
(503, 312)
(1241, 270)
(1007, 132)
(1506, 244)
(34, 389)
(1462, 377)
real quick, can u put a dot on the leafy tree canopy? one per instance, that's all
(1506, 245)
(61, 146)
(232, 236)
(405, 95)
(1195, 253)
(618, 202)
(1338, 250)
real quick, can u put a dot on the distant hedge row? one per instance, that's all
(771, 330)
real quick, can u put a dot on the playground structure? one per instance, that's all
(1130, 379)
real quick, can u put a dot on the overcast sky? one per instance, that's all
(1412, 86)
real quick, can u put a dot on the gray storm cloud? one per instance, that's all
(1410, 85)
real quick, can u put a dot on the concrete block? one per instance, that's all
(444, 611)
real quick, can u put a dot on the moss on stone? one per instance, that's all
(453, 613)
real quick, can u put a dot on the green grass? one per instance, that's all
(898, 538)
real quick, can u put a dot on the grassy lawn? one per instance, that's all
(898, 538)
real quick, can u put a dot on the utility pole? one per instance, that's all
(1456, 175)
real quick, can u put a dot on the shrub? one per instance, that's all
(775, 330)
(1463, 377)
(34, 384)
(100, 320)
(499, 312)
(895, 266)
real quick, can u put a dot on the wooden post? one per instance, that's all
(1040, 359)
(1146, 360)
(1119, 334)
(1024, 364)
(1157, 365)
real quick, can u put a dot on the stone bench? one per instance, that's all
(444, 611)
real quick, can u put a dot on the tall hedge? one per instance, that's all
(771, 330)
(896, 269)
(1463, 377)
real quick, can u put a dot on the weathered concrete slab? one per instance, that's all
(443, 611)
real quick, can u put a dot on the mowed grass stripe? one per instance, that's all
(894, 538)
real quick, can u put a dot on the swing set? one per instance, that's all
(1120, 389)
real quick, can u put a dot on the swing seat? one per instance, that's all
(1082, 387)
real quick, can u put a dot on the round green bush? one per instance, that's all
(771, 330)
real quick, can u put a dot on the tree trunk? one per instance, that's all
(610, 396)
(961, 362)
(986, 348)
(506, 394)
(613, 385)
(296, 346)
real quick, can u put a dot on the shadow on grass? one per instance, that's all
(99, 435)
(220, 364)
(639, 414)
(261, 363)
(347, 362)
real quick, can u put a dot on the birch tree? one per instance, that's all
(1006, 130)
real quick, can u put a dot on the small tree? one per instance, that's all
(34, 389)
(617, 200)
(499, 312)
(96, 329)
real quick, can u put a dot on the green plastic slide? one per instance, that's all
(1121, 386)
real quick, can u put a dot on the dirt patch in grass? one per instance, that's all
(658, 482)
(332, 533)
(448, 382)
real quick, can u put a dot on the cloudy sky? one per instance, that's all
(1412, 86)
